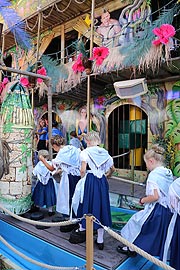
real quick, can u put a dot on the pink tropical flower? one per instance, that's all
(24, 81)
(3, 84)
(78, 65)
(41, 71)
(164, 32)
(99, 54)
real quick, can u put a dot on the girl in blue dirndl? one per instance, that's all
(147, 228)
(92, 192)
(172, 244)
(44, 193)
(68, 161)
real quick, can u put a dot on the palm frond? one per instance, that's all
(55, 71)
(15, 24)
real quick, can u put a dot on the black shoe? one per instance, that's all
(99, 245)
(127, 252)
(50, 214)
(41, 227)
(69, 228)
(34, 208)
(77, 237)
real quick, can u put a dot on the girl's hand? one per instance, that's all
(41, 158)
(141, 201)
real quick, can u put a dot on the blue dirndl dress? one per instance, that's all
(96, 188)
(147, 228)
(172, 243)
(44, 193)
(175, 246)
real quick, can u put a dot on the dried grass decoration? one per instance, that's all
(160, 48)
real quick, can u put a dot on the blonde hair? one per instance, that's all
(92, 137)
(57, 140)
(157, 152)
(43, 153)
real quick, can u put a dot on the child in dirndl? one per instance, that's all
(147, 228)
(44, 193)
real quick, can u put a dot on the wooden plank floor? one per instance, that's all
(108, 258)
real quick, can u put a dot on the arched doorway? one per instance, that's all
(127, 136)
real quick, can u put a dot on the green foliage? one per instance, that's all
(173, 131)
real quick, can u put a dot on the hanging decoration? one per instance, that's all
(164, 33)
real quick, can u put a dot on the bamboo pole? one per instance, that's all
(2, 52)
(89, 78)
(38, 37)
(50, 119)
(89, 242)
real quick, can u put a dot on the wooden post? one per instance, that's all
(89, 242)
(62, 44)
(2, 52)
(89, 78)
(38, 36)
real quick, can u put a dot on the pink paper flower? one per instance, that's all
(24, 81)
(78, 65)
(164, 32)
(41, 71)
(3, 84)
(99, 54)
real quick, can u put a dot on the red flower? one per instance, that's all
(78, 65)
(100, 53)
(24, 81)
(41, 71)
(164, 32)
